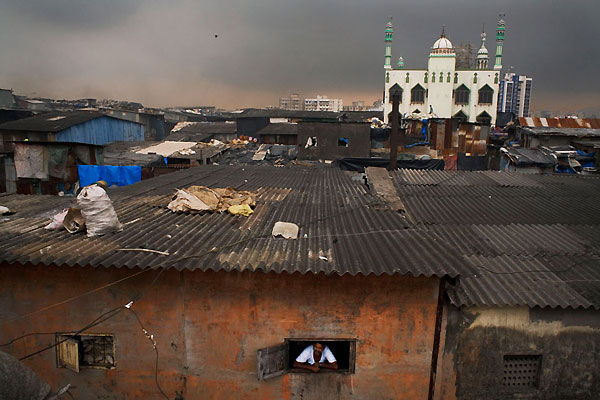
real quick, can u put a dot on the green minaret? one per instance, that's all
(389, 31)
(499, 42)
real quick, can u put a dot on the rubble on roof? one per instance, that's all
(198, 199)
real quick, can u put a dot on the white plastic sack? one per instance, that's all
(57, 220)
(97, 209)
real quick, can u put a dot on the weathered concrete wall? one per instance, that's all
(477, 340)
(327, 134)
(209, 325)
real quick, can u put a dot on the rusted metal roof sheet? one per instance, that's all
(526, 239)
(589, 123)
(343, 229)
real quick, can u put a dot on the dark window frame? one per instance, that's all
(416, 93)
(80, 340)
(276, 360)
(486, 95)
(460, 93)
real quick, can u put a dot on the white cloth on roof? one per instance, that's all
(307, 356)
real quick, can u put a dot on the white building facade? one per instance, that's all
(323, 103)
(515, 94)
(441, 90)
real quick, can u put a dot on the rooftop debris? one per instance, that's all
(287, 230)
(198, 199)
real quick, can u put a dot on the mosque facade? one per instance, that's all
(442, 90)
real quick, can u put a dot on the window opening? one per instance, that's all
(484, 118)
(85, 351)
(417, 94)
(311, 142)
(486, 95)
(396, 90)
(278, 360)
(461, 95)
(522, 371)
(342, 142)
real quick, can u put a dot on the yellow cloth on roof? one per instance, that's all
(241, 209)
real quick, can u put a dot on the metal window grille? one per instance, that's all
(522, 371)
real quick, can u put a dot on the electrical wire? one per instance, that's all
(95, 322)
(24, 336)
(541, 270)
(264, 236)
(151, 339)
(102, 318)
(77, 297)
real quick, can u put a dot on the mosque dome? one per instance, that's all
(442, 43)
(442, 46)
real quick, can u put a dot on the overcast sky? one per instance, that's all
(165, 53)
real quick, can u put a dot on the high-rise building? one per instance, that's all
(445, 89)
(323, 103)
(514, 94)
(293, 102)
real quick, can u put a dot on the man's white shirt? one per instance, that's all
(307, 356)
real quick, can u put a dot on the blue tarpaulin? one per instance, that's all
(112, 174)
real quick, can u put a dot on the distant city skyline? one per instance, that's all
(236, 54)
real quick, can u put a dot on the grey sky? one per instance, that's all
(165, 52)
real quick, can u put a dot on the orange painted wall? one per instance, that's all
(208, 326)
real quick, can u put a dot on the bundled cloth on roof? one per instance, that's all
(198, 199)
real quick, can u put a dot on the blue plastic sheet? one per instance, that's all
(112, 174)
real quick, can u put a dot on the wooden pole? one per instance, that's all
(394, 132)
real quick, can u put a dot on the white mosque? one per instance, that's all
(442, 90)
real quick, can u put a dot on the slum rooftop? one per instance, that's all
(52, 121)
(505, 238)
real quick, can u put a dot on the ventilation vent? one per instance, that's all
(522, 372)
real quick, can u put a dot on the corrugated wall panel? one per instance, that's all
(103, 130)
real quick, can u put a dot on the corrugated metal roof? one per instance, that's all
(279, 129)
(593, 123)
(166, 148)
(507, 225)
(574, 132)
(532, 281)
(343, 229)
(512, 239)
(52, 121)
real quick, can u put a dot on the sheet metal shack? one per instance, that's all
(354, 278)
(523, 319)
(40, 153)
(378, 274)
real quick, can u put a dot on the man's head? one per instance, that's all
(318, 350)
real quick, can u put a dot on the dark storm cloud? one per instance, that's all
(75, 14)
(167, 52)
